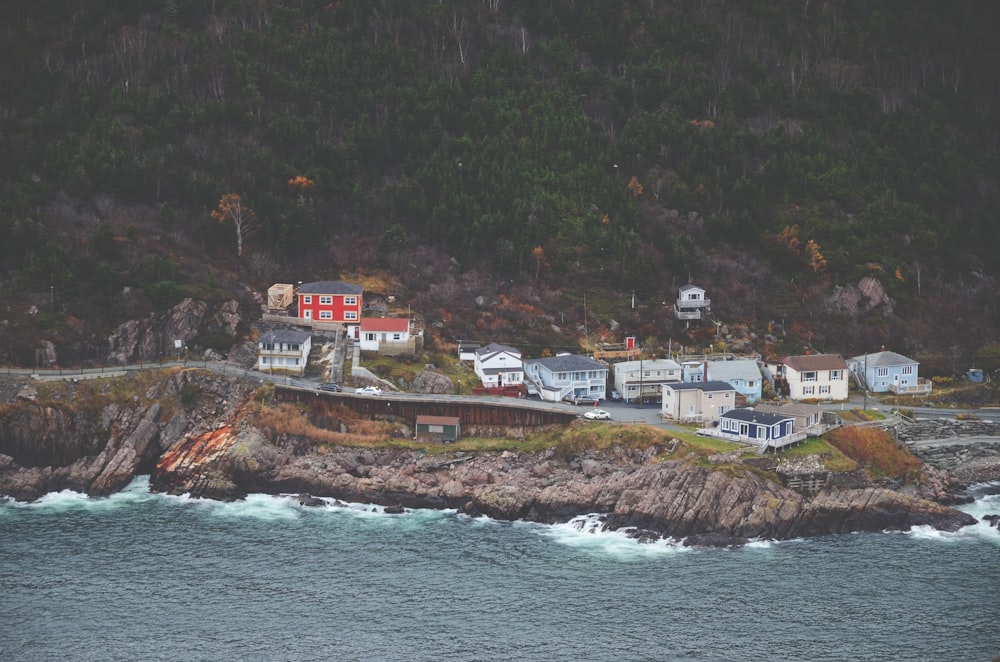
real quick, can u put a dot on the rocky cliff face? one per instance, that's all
(96, 442)
(154, 337)
(639, 491)
(186, 429)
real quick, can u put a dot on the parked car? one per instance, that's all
(596, 415)
(581, 399)
(330, 386)
(616, 396)
(369, 390)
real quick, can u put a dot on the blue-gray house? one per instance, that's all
(886, 372)
(743, 374)
(758, 428)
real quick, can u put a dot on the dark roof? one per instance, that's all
(500, 371)
(815, 362)
(568, 363)
(284, 336)
(708, 386)
(751, 416)
(496, 348)
(330, 287)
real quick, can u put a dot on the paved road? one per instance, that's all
(620, 411)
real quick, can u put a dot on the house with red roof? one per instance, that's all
(387, 335)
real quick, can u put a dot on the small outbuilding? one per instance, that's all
(438, 428)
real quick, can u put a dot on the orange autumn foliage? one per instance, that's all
(875, 449)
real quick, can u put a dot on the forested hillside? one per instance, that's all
(530, 152)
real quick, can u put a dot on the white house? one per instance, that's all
(567, 375)
(467, 351)
(697, 402)
(812, 377)
(283, 351)
(498, 365)
(385, 334)
(644, 380)
(691, 300)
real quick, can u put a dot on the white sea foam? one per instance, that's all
(70, 501)
(263, 507)
(986, 504)
(587, 533)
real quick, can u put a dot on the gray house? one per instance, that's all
(567, 376)
(885, 372)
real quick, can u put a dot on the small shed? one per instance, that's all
(280, 296)
(437, 428)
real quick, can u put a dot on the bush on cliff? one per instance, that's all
(876, 451)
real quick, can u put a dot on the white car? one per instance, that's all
(596, 415)
(369, 390)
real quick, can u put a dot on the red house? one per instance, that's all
(331, 301)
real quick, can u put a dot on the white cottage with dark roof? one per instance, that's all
(498, 365)
(283, 351)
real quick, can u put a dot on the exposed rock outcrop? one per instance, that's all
(96, 443)
(635, 491)
(155, 336)
(868, 294)
(186, 430)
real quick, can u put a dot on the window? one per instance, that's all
(293, 361)
(369, 337)
(881, 372)
(809, 376)
(808, 390)
(268, 346)
(325, 300)
(306, 298)
(326, 314)
(752, 384)
(350, 315)
(397, 336)
(836, 375)
(350, 301)
(907, 370)
(824, 389)
(293, 347)
(263, 360)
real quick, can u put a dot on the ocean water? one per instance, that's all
(140, 576)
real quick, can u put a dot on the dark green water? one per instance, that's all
(146, 577)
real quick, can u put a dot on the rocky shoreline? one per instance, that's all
(208, 449)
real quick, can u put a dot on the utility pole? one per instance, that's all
(866, 382)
